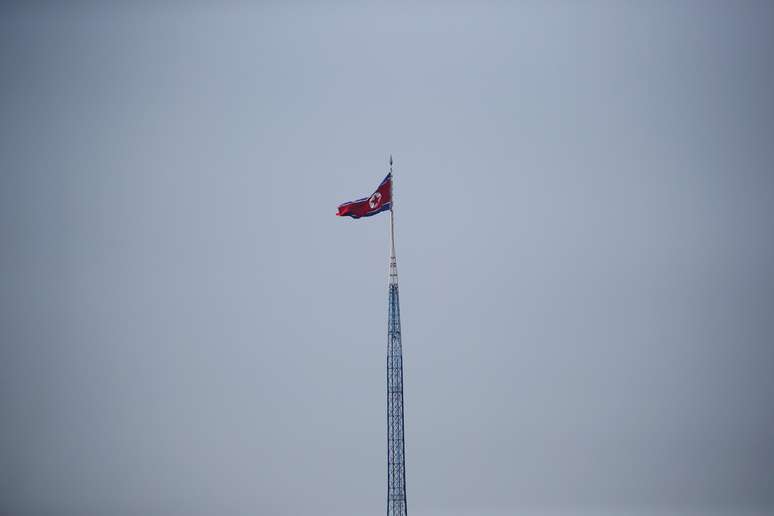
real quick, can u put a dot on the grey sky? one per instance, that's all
(584, 206)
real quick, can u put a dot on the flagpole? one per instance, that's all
(392, 216)
(396, 449)
(393, 270)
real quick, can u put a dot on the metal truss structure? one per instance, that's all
(396, 450)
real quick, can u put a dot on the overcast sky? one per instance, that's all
(584, 198)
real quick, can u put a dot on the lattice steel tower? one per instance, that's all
(396, 450)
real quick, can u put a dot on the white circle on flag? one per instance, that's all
(375, 200)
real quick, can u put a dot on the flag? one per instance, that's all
(380, 200)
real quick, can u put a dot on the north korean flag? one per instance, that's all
(380, 200)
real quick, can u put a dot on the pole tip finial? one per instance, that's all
(390, 159)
